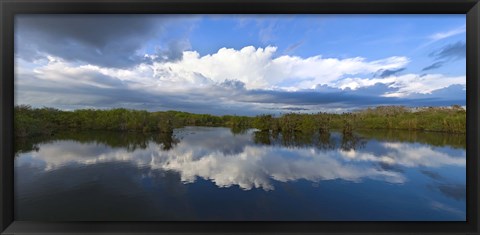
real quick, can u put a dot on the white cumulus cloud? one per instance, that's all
(258, 68)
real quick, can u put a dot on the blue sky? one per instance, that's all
(240, 64)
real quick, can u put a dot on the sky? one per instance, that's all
(239, 64)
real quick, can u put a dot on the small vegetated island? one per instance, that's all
(48, 121)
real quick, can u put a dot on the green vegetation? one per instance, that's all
(48, 121)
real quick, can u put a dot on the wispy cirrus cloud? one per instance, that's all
(442, 35)
(447, 34)
(293, 47)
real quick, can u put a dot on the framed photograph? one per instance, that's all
(352, 116)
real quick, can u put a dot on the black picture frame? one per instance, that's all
(9, 8)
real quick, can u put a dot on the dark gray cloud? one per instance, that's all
(232, 99)
(81, 96)
(295, 109)
(450, 52)
(383, 73)
(435, 65)
(108, 92)
(453, 51)
(173, 51)
(233, 84)
(453, 94)
(104, 40)
(362, 97)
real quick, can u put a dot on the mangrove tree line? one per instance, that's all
(30, 121)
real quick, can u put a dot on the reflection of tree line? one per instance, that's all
(431, 138)
(129, 140)
(357, 139)
(321, 140)
(133, 141)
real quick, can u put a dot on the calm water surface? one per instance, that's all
(205, 173)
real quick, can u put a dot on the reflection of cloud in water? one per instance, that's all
(455, 191)
(255, 167)
(408, 155)
(249, 166)
(212, 138)
(442, 207)
(432, 174)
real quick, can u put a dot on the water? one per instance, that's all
(205, 173)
